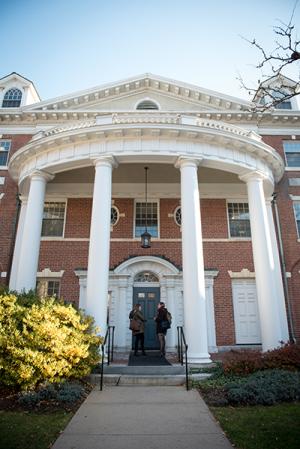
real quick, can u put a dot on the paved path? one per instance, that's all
(143, 417)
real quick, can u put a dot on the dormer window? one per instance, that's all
(147, 104)
(12, 98)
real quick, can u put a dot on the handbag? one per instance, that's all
(135, 325)
(165, 324)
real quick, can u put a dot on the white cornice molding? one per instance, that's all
(111, 137)
(267, 123)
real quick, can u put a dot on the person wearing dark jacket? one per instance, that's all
(162, 315)
(137, 315)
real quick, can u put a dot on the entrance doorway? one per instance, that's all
(149, 298)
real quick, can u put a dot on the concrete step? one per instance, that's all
(145, 370)
(143, 379)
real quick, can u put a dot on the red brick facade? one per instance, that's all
(221, 255)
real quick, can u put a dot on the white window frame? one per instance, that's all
(296, 202)
(147, 110)
(113, 206)
(5, 167)
(228, 221)
(174, 215)
(45, 284)
(288, 167)
(57, 200)
(149, 200)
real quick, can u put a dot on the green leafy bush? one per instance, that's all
(44, 340)
(66, 392)
(265, 388)
(243, 363)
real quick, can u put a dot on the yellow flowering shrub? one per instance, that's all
(44, 341)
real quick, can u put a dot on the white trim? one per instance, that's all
(116, 239)
(149, 200)
(243, 274)
(47, 273)
(292, 169)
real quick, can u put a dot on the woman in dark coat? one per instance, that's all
(162, 315)
(137, 315)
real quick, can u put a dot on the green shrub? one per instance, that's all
(242, 363)
(44, 340)
(66, 392)
(265, 387)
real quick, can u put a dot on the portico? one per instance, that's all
(185, 142)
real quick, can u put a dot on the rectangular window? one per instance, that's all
(48, 287)
(292, 153)
(297, 216)
(145, 215)
(4, 151)
(53, 219)
(239, 220)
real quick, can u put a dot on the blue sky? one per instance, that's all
(69, 45)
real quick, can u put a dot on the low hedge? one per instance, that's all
(242, 363)
(44, 340)
(264, 387)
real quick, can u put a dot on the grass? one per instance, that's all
(258, 427)
(29, 430)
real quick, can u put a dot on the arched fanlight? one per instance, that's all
(146, 237)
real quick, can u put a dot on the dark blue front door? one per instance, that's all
(149, 298)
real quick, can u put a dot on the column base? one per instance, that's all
(199, 358)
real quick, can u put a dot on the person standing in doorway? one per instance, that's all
(163, 319)
(137, 326)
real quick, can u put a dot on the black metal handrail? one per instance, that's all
(109, 340)
(182, 349)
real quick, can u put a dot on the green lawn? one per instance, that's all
(26, 430)
(258, 427)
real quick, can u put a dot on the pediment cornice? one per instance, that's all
(146, 82)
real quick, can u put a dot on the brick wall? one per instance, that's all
(8, 207)
(288, 229)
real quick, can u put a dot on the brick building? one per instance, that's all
(73, 208)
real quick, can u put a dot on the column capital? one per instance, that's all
(106, 160)
(40, 174)
(184, 161)
(253, 176)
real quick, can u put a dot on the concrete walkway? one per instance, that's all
(143, 417)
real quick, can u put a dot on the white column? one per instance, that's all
(30, 245)
(15, 263)
(278, 277)
(170, 302)
(195, 325)
(263, 262)
(98, 262)
(123, 320)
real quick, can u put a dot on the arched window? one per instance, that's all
(12, 98)
(114, 215)
(146, 276)
(177, 215)
(147, 104)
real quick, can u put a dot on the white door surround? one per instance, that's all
(121, 283)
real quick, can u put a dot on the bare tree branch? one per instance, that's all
(286, 52)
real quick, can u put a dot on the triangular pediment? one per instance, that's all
(170, 95)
